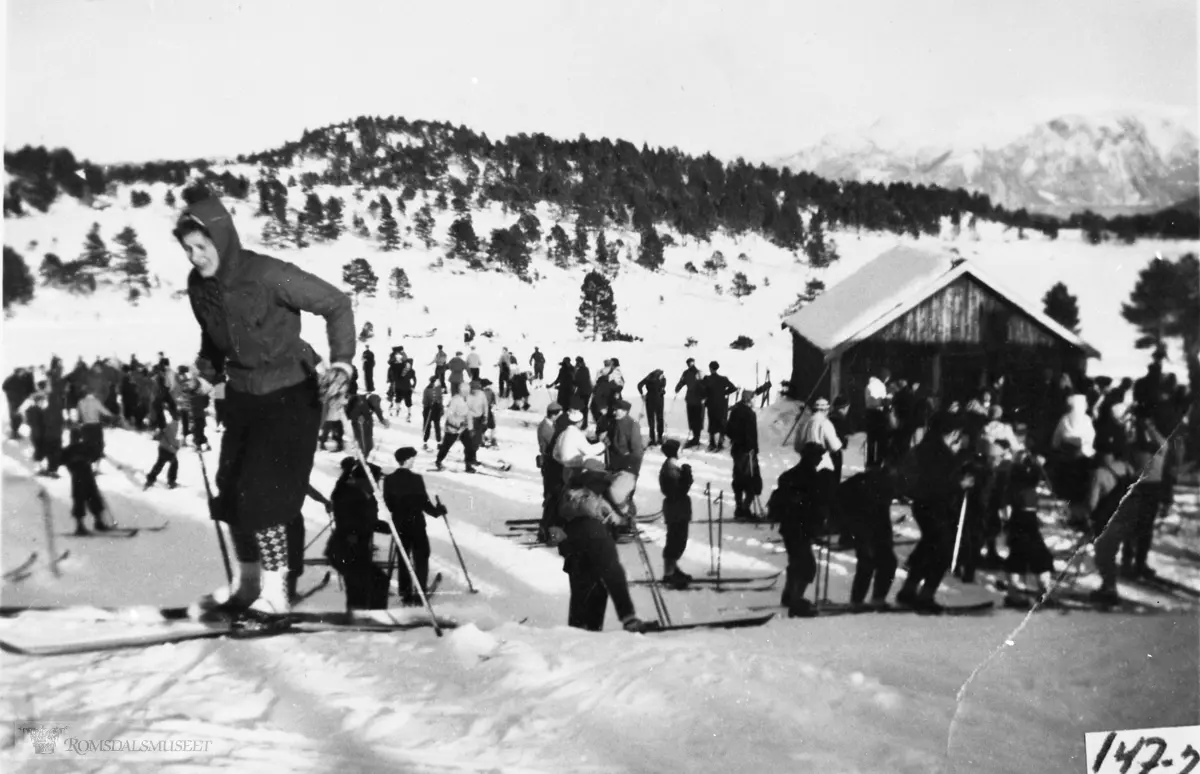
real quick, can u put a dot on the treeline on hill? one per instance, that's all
(600, 181)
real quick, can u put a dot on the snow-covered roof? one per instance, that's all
(890, 286)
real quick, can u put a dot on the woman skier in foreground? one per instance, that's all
(248, 306)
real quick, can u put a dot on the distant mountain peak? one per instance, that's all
(1121, 159)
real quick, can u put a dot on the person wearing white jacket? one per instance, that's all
(1074, 442)
(458, 425)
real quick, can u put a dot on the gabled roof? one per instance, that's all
(890, 286)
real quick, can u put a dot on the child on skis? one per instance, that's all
(168, 450)
(85, 495)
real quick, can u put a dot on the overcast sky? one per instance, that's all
(141, 79)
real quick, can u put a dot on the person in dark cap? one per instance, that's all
(406, 498)
(717, 390)
(548, 432)
(565, 383)
(351, 545)
(937, 483)
(490, 426)
(624, 441)
(694, 399)
(743, 445)
(800, 523)
(583, 388)
(675, 481)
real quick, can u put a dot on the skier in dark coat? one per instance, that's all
(865, 500)
(17, 389)
(350, 547)
(653, 389)
(694, 398)
(742, 431)
(362, 410)
(35, 417)
(583, 387)
(406, 499)
(717, 390)
(590, 554)
(248, 306)
(548, 431)
(52, 419)
(85, 495)
(937, 482)
(797, 504)
(431, 411)
(538, 361)
(458, 369)
(675, 481)
(565, 383)
(368, 367)
(519, 387)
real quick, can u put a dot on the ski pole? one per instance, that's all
(316, 537)
(454, 543)
(712, 563)
(828, 561)
(720, 532)
(212, 502)
(660, 604)
(962, 520)
(358, 453)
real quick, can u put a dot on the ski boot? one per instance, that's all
(245, 588)
(80, 530)
(271, 611)
(635, 625)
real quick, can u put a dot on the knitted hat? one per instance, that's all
(747, 394)
(405, 453)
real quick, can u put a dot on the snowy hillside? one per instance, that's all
(1070, 162)
(664, 308)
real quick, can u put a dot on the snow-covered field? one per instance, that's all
(846, 694)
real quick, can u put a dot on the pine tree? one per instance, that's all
(532, 227)
(788, 228)
(818, 247)
(274, 233)
(423, 226)
(399, 288)
(299, 234)
(560, 247)
(741, 286)
(361, 278)
(401, 207)
(714, 263)
(598, 307)
(508, 246)
(314, 215)
(1165, 304)
(51, 270)
(389, 230)
(135, 275)
(580, 246)
(440, 201)
(95, 252)
(331, 227)
(601, 249)
(1062, 307)
(367, 333)
(463, 241)
(18, 282)
(169, 199)
(650, 252)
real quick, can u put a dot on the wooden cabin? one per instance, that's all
(933, 318)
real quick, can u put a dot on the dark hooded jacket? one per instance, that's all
(249, 313)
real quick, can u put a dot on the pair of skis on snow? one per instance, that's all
(25, 568)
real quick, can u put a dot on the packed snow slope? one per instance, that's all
(513, 690)
(665, 308)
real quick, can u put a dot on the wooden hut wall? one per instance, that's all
(808, 369)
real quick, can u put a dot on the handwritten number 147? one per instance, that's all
(1126, 755)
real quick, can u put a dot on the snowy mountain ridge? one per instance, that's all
(1071, 162)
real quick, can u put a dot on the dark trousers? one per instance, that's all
(586, 399)
(502, 384)
(431, 417)
(552, 488)
(474, 373)
(52, 449)
(1027, 552)
(539, 371)
(801, 566)
(334, 427)
(369, 378)
(654, 417)
(716, 423)
(876, 557)
(295, 538)
(267, 455)
(167, 459)
(85, 495)
(14, 418)
(468, 441)
(219, 412)
(677, 540)
(695, 417)
(415, 541)
(366, 584)
(198, 428)
(440, 373)
(930, 560)
(1146, 500)
(364, 434)
(973, 540)
(876, 435)
(405, 397)
(1111, 536)
(185, 423)
(596, 574)
(93, 438)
